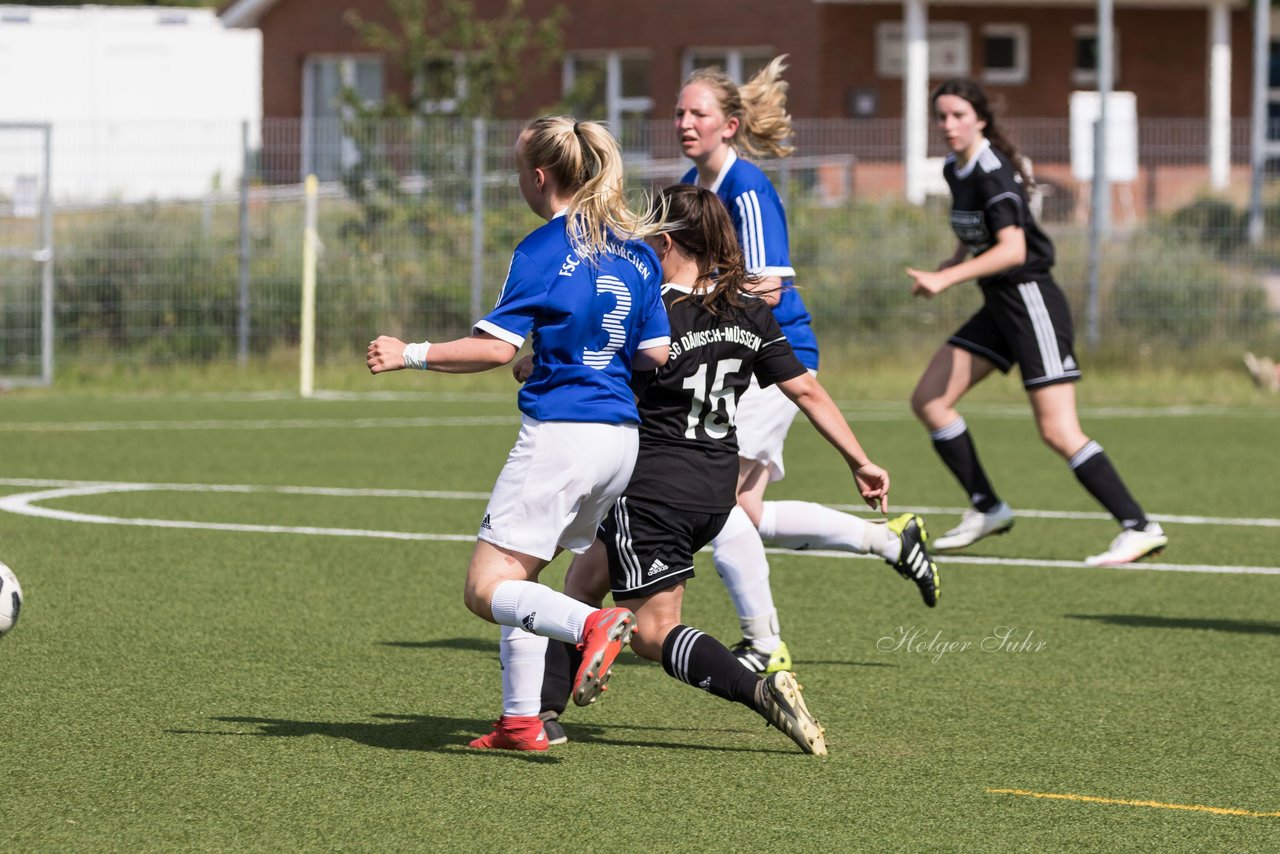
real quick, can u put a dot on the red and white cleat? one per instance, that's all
(607, 631)
(514, 732)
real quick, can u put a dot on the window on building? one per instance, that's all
(613, 87)
(441, 85)
(1273, 93)
(948, 49)
(1005, 52)
(1271, 147)
(1085, 69)
(326, 150)
(740, 63)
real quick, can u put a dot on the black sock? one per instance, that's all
(562, 662)
(703, 662)
(956, 449)
(1093, 469)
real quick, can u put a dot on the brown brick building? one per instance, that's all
(840, 63)
(846, 56)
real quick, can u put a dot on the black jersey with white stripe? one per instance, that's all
(987, 195)
(688, 449)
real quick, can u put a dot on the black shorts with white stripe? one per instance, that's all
(651, 545)
(1027, 324)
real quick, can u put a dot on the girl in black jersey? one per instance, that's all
(684, 483)
(1024, 319)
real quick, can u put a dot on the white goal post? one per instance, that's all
(307, 327)
(26, 235)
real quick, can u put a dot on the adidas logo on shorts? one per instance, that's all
(656, 567)
(484, 523)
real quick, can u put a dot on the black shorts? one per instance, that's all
(1028, 324)
(651, 545)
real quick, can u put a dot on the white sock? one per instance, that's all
(806, 525)
(762, 631)
(881, 541)
(538, 609)
(523, 657)
(740, 559)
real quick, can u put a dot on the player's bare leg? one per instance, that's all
(945, 381)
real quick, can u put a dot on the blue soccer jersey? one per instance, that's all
(587, 320)
(757, 213)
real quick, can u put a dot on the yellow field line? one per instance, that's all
(1157, 804)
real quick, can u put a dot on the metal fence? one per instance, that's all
(194, 255)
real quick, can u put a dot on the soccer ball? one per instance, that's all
(10, 599)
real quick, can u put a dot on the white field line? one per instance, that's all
(97, 487)
(864, 408)
(319, 395)
(25, 504)
(951, 560)
(256, 424)
(1081, 515)
(455, 495)
(855, 412)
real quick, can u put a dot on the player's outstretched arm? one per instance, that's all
(1010, 251)
(807, 393)
(478, 352)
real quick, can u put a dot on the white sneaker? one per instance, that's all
(974, 525)
(1131, 546)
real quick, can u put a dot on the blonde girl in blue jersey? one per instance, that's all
(718, 121)
(585, 289)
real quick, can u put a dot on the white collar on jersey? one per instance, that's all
(730, 159)
(685, 289)
(973, 161)
(560, 213)
(672, 286)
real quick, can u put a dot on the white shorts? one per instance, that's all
(763, 418)
(559, 481)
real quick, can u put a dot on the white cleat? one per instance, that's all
(784, 708)
(1130, 546)
(974, 525)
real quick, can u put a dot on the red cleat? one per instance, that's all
(514, 732)
(606, 633)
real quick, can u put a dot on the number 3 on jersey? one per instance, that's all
(707, 399)
(613, 326)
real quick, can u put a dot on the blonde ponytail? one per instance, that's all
(586, 162)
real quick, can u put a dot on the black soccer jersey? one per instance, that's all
(688, 451)
(986, 196)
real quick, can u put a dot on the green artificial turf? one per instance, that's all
(173, 688)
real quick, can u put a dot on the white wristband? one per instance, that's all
(415, 355)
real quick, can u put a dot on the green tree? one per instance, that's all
(476, 65)
(481, 64)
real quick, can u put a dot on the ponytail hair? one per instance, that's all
(586, 162)
(760, 105)
(698, 221)
(969, 90)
